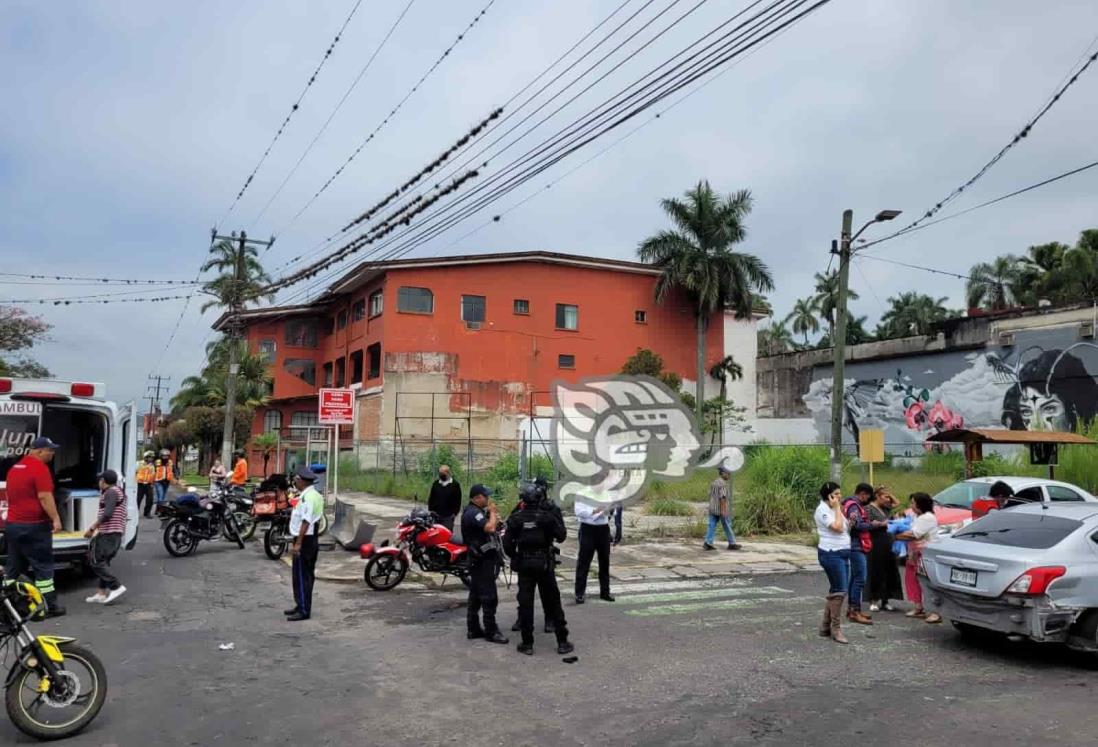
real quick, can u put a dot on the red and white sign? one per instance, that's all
(337, 407)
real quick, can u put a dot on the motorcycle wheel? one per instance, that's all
(70, 704)
(274, 543)
(246, 522)
(322, 525)
(178, 540)
(231, 530)
(384, 572)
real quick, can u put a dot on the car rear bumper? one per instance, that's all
(1035, 618)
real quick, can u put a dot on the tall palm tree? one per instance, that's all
(803, 318)
(208, 388)
(697, 258)
(910, 314)
(1079, 275)
(994, 285)
(1040, 273)
(774, 339)
(228, 292)
(826, 299)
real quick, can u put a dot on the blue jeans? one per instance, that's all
(836, 564)
(711, 534)
(161, 492)
(859, 570)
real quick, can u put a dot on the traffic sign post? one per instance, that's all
(337, 408)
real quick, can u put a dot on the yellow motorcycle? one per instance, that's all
(54, 687)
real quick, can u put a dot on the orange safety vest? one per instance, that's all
(146, 473)
(240, 472)
(164, 471)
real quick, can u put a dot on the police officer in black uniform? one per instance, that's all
(531, 531)
(543, 489)
(478, 528)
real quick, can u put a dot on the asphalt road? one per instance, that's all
(671, 663)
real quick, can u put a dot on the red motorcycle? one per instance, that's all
(421, 540)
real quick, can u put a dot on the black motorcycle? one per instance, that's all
(240, 501)
(277, 537)
(186, 524)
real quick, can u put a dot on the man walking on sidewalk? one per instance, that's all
(594, 537)
(106, 538)
(304, 520)
(720, 510)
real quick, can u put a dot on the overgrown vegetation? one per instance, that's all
(668, 507)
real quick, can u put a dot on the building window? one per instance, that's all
(341, 372)
(358, 311)
(472, 308)
(301, 333)
(640, 316)
(522, 306)
(329, 372)
(356, 367)
(566, 361)
(377, 303)
(300, 422)
(415, 300)
(267, 350)
(272, 421)
(327, 326)
(341, 320)
(374, 351)
(302, 368)
(567, 316)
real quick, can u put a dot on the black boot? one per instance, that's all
(565, 647)
(526, 647)
(515, 627)
(549, 627)
(292, 611)
(495, 637)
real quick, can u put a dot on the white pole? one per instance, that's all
(335, 476)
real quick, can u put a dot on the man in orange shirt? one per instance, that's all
(240, 469)
(32, 520)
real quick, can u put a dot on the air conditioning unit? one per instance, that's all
(1006, 339)
(473, 325)
(1086, 331)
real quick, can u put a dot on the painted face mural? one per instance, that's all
(1052, 391)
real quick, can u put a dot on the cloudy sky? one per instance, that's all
(129, 128)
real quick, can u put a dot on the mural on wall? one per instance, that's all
(1037, 386)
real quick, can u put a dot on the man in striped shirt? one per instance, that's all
(106, 538)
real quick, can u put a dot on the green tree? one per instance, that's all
(20, 331)
(856, 333)
(697, 258)
(1078, 278)
(227, 290)
(648, 363)
(803, 318)
(267, 442)
(994, 285)
(774, 339)
(253, 384)
(911, 313)
(826, 299)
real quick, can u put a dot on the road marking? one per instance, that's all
(682, 596)
(724, 604)
(631, 587)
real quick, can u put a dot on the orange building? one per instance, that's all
(469, 346)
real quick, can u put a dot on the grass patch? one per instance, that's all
(668, 507)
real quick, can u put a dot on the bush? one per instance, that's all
(779, 511)
(788, 471)
(668, 507)
(428, 463)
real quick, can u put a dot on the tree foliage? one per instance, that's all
(20, 331)
(910, 314)
(648, 363)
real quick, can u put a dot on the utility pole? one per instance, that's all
(236, 305)
(838, 346)
(154, 399)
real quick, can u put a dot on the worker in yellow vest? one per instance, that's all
(146, 476)
(165, 475)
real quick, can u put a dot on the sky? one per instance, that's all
(130, 127)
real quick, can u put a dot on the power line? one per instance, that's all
(335, 111)
(293, 110)
(91, 280)
(601, 120)
(88, 299)
(1023, 133)
(951, 216)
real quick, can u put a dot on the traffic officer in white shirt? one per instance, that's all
(594, 536)
(304, 521)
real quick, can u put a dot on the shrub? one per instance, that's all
(428, 463)
(775, 511)
(668, 507)
(788, 471)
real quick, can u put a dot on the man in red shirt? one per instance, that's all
(32, 519)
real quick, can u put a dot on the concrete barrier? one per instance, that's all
(348, 530)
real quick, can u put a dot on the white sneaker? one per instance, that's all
(96, 599)
(113, 595)
(874, 607)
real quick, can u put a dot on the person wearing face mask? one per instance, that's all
(445, 498)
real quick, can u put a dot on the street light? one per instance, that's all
(838, 342)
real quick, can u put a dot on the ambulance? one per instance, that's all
(92, 434)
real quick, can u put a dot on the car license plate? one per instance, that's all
(961, 577)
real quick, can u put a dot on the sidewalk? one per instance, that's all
(638, 557)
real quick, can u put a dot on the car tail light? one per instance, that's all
(920, 567)
(83, 390)
(1036, 581)
(5, 386)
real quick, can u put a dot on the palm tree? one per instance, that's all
(774, 339)
(698, 259)
(827, 298)
(1079, 275)
(268, 442)
(803, 318)
(208, 388)
(994, 285)
(227, 290)
(1040, 272)
(910, 314)
(725, 370)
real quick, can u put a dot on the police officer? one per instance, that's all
(304, 521)
(531, 531)
(479, 523)
(542, 489)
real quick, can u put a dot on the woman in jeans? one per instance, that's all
(834, 555)
(923, 530)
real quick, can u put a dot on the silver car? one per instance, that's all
(1028, 571)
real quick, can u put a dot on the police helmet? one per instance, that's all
(529, 492)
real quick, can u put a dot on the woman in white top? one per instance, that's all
(923, 530)
(834, 556)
